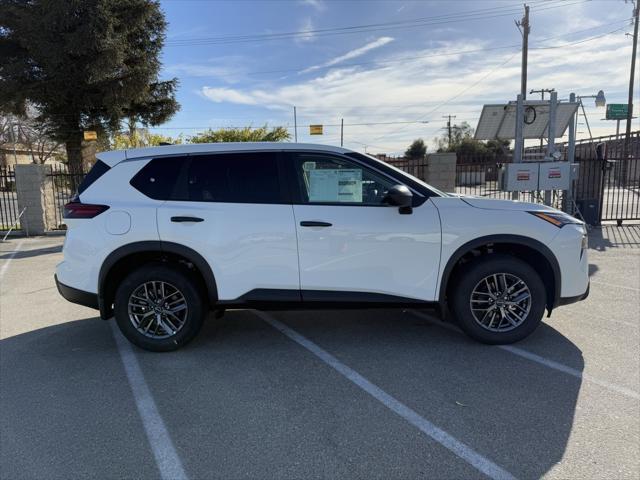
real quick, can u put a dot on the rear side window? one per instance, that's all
(99, 169)
(235, 178)
(161, 179)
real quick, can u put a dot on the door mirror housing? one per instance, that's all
(400, 196)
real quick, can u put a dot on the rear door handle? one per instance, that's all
(308, 223)
(187, 219)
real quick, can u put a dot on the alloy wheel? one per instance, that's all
(500, 302)
(157, 309)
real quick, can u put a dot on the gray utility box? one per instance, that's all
(529, 176)
(554, 176)
(519, 177)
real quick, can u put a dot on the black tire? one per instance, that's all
(176, 277)
(461, 293)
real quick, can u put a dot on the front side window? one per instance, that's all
(235, 178)
(325, 179)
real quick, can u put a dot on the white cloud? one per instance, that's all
(414, 89)
(353, 53)
(230, 95)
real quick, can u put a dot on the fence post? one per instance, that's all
(33, 189)
(441, 171)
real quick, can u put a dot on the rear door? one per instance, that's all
(350, 241)
(233, 209)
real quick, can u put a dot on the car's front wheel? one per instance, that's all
(159, 308)
(498, 299)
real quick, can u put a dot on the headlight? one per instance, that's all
(559, 219)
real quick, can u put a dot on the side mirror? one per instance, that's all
(401, 197)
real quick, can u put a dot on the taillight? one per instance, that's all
(83, 210)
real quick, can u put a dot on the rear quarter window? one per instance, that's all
(161, 179)
(98, 169)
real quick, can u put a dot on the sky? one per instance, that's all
(391, 69)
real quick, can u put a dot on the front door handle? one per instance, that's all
(187, 219)
(308, 223)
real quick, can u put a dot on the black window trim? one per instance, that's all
(285, 192)
(288, 185)
(296, 195)
(97, 171)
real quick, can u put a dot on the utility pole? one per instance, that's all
(449, 117)
(341, 132)
(295, 124)
(524, 27)
(631, 75)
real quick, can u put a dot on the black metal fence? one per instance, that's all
(621, 192)
(586, 147)
(415, 166)
(482, 180)
(64, 184)
(8, 199)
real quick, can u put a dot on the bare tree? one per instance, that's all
(36, 137)
(31, 134)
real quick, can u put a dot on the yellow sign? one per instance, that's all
(90, 135)
(315, 129)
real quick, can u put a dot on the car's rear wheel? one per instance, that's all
(159, 308)
(498, 299)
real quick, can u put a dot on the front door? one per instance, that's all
(350, 241)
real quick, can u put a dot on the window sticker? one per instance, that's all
(335, 185)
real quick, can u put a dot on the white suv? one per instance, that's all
(159, 236)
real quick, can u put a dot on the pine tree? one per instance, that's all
(84, 65)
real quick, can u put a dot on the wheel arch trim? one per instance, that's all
(536, 245)
(154, 246)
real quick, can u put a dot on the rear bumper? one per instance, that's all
(74, 295)
(577, 298)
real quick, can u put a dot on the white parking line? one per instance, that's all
(454, 445)
(541, 360)
(164, 452)
(569, 371)
(5, 265)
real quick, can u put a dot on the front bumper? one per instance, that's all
(74, 295)
(577, 298)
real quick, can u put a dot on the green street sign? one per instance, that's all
(617, 111)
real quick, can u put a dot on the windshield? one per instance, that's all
(401, 173)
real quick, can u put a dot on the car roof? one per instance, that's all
(116, 156)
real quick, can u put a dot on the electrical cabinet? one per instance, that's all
(519, 177)
(530, 176)
(554, 176)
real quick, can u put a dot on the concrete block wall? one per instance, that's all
(34, 190)
(441, 171)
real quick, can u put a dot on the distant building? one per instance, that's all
(20, 154)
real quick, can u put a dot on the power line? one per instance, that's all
(265, 36)
(419, 57)
(425, 21)
(502, 64)
(465, 90)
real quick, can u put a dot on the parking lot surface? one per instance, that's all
(322, 394)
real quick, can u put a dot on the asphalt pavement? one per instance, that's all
(320, 394)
